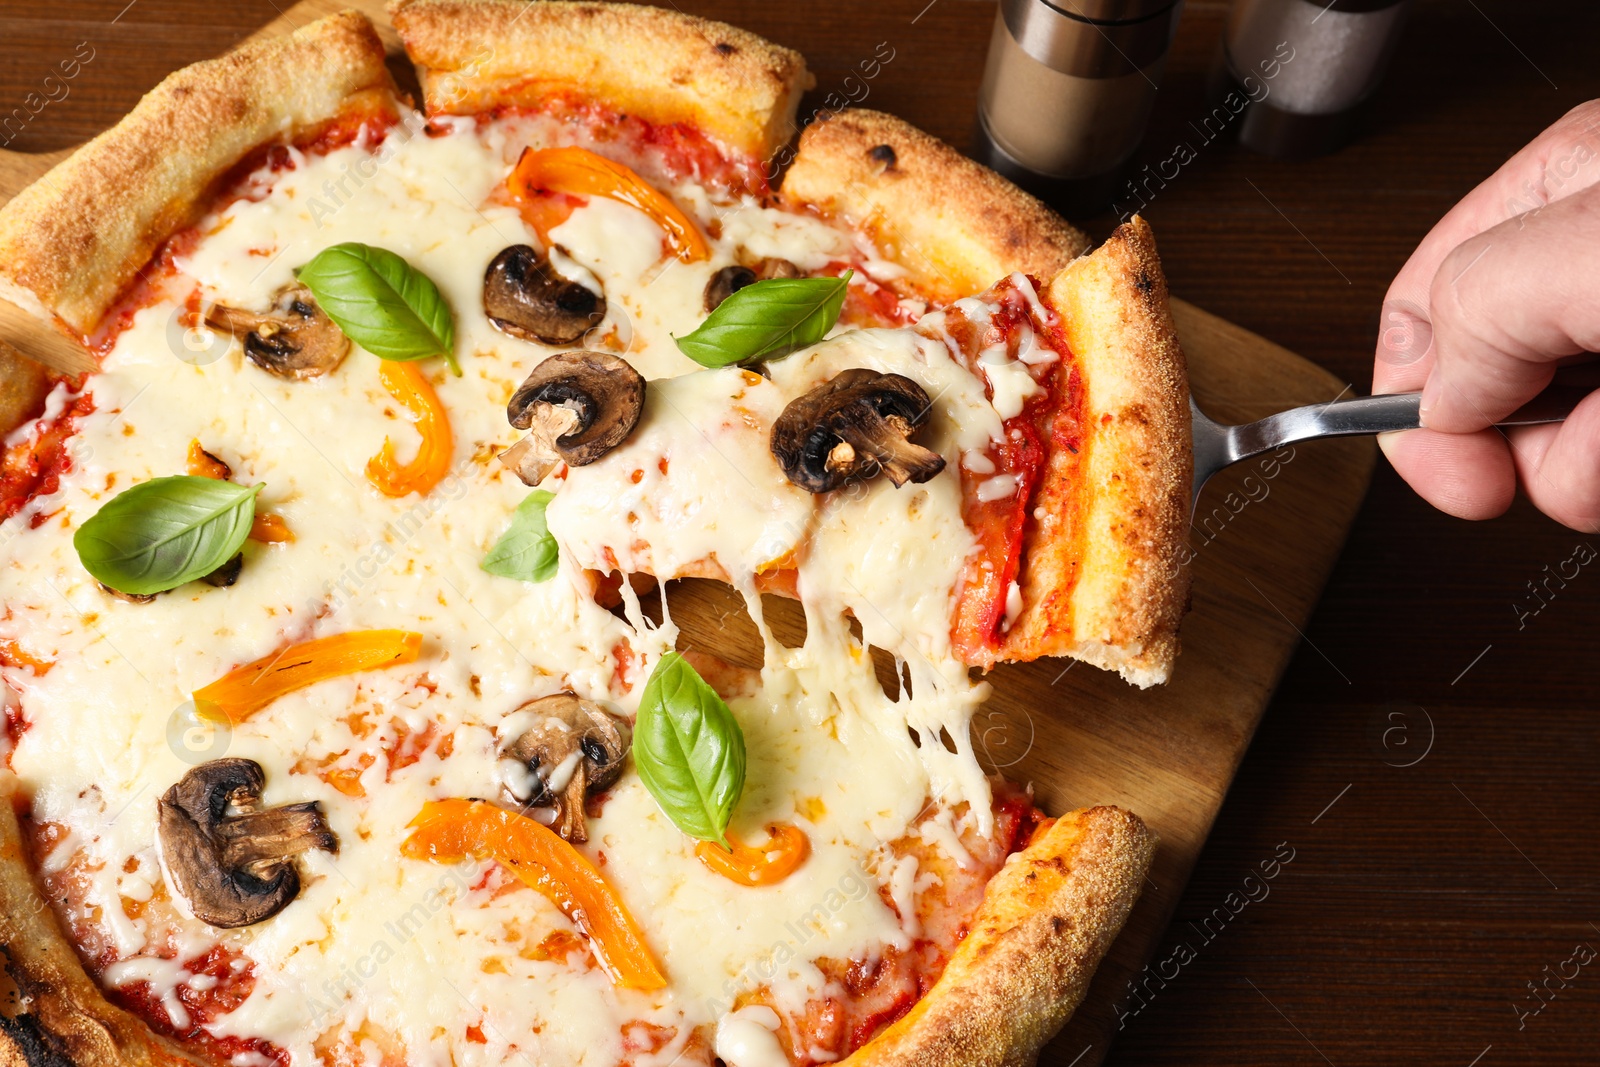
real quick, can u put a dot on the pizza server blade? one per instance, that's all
(32, 337)
(1217, 446)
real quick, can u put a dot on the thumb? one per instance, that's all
(1506, 306)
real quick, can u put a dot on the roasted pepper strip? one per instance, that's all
(448, 831)
(245, 690)
(265, 527)
(787, 847)
(408, 385)
(580, 172)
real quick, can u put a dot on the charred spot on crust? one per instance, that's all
(1145, 283)
(883, 155)
(723, 48)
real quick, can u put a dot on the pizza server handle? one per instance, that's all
(1217, 446)
(28, 335)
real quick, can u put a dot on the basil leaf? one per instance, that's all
(527, 550)
(689, 750)
(765, 318)
(165, 532)
(382, 303)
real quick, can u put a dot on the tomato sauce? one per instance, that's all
(865, 995)
(678, 148)
(1048, 424)
(33, 468)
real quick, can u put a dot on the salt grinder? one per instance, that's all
(1326, 58)
(1067, 91)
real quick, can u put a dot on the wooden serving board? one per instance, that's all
(1265, 538)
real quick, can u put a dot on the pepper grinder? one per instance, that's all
(1326, 60)
(1067, 92)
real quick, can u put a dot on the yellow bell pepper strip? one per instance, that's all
(265, 527)
(580, 172)
(787, 847)
(408, 385)
(245, 690)
(448, 831)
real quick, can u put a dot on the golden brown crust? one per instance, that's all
(957, 226)
(1047, 919)
(59, 1015)
(73, 240)
(1101, 578)
(660, 65)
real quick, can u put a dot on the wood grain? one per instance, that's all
(1424, 897)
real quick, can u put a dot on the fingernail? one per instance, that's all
(1430, 395)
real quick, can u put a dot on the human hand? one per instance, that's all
(1503, 291)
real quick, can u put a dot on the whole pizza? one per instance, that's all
(346, 719)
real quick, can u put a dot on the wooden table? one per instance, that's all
(1424, 756)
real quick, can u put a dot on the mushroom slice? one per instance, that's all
(525, 297)
(725, 283)
(295, 340)
(773, 267)
(577, 406)
(729, 280)
(852, 426)
(229, 859)
(556, 750)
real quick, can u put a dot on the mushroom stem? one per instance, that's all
(259, 839)
(569, 819)
(884, 440)
(536, 455)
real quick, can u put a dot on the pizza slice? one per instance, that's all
(245, 822)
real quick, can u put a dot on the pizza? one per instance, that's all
(346, 718)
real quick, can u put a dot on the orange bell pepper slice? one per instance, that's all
(448, 831)
(407, 384)
(787, 847)
(245, 690)
(265, 527)
(580, 172)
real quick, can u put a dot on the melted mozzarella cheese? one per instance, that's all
(409, 950)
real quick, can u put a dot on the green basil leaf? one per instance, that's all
(527, 550)
(766, 318)
(689, 750)
(165, 532)
(381, 302)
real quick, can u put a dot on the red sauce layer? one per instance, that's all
(1049, 424)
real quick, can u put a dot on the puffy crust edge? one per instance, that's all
(1113, 591)
(61, 1016)
(68, 247)
(1046, 921)
(664, 66)
(957, 226)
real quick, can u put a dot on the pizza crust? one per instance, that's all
(955, 225)
(59, 1015)
(74, 240)
(1102, 577)
(1046, 920)
(663, 66)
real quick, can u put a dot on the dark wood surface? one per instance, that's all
(1432, 765)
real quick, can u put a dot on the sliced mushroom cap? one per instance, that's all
(234, 867)
(226, 574)
(851, 427)
(725, 283)
(525, 297)
(577, 406)
(729, 280)
(295, 340)
(556, 750)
